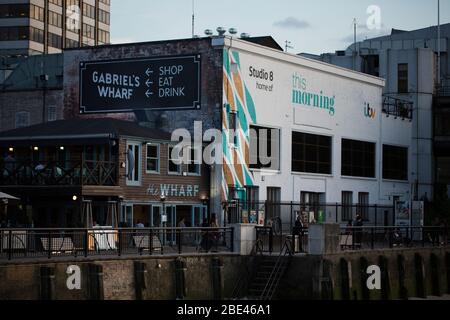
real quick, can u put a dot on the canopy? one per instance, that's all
(4, 196)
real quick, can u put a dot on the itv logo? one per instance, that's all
(369, 112)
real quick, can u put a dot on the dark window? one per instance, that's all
(264, 148)
(14, 10)
(363, 205)
(252, 197)
(37, 13)
(194, 161)
(395, 163)
(14, 33)
(358, 159)
(153, 158)
(88, 31)
(273, 202)
(54, 40)
(311, 153)
(88, 11)
(403, 78)
(173, 167)
(347, 205)
(72, 43)
(232, 122)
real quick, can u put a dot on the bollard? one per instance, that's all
(95, 284)
(140, 271)
(217, 278)
(180, 279)
(47, 282)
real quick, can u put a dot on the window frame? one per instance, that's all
(318, 163)
(352, 167)
(158, 159)
(260, 167)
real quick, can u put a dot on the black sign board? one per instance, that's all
(164, 83)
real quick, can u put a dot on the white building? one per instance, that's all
(408, 60)
(339, 142)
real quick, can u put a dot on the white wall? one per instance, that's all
(276, 109)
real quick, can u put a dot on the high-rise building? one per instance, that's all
(48, 26)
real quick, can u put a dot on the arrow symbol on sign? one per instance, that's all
(148, 93)
(148, 72)
(148, 83)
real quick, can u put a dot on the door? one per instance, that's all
(169, 221)
(126, 217)
(199, 213)
(133, 163)
(156, 216)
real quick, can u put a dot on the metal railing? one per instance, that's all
(101, 242)
(398, 107)
(281, 216)
(370, 238)
(278, 271)
(56, 173)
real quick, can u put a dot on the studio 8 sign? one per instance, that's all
(165, 83)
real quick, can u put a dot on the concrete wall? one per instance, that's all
(343, 276)
(161, 279)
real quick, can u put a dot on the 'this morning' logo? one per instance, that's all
(300, 95)
(369, 112)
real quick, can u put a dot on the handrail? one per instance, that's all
(257, 247)
(275, 278)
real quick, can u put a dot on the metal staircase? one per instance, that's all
(263, 280)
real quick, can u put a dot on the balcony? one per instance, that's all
(68, 173)
(398, 108)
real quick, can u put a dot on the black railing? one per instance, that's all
(101, 242)
(369, 238)
(281, 216)
(56, 173)
(398, 108)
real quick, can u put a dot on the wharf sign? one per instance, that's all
(165, 83)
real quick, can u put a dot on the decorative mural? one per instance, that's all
(239, 104)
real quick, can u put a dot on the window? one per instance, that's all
(347, 205)
(103, 36)
(57, 2)
(252, 197)
(273, 202)
(72, 43)
(88, 11)
(103, 16)
(133, 166)
(22, 119)
(395, 163)
(51, 113)
(14, 10)
(14, 33)
(37, 13)
(264, 148)
(363, 205)
(173, 167)
(153, 156)
(311, 153)
(194, 162)
(36, 35)
(402, 78)
(54, 40)
(88, 31)
(358, 158)
(55, 19)
(232, 128)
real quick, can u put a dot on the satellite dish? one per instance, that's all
(221, 31)
(245, 35)
(209, 32)
(233, 31)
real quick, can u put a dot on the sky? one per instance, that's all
(315, 26)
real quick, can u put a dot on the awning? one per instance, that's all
(46, 141)
(4, 196)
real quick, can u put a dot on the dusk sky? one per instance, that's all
(311, 26)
